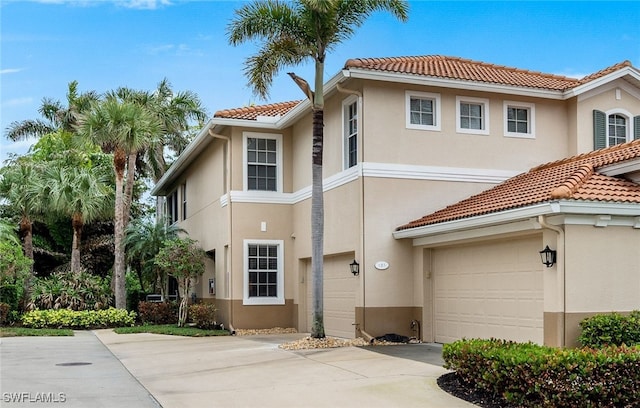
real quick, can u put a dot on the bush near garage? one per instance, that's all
(203, 315)
(530, 375)
(73, 319)
(610, 329)
(158, 312)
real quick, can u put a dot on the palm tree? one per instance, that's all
(291, 34)
(84, 194)
(124, 128)
(56, 116)
(143, 241)
(8, 232)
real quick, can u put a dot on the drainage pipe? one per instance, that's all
(561, 279)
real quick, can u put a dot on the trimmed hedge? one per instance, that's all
(84, 319)
(529, 375)
(203, 315)
(158, 312)
(610, 329)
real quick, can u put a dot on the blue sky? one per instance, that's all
(105, 44)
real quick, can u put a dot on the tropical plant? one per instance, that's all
(8, 232)
(123, 128)
(183, 259)
(66, 290)
(292, 33)
(55, 115)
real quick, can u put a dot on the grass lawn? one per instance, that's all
(26, 331)
(171, 329)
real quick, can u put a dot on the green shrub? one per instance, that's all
(83, 319)
(530, 375)
(158, 312)
(67, 290)
(610, 329)
(10, 294)
(203, 315)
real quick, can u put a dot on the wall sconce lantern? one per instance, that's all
(355, 268)
(548, 256)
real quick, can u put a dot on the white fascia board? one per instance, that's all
(629, 166)
(578, 90)
(519, 214)
(523, 226)
(246, 123)
(439, 173)
(455, 84)
(194, 148)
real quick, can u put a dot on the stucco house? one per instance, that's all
(462, 141)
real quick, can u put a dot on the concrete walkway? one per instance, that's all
(76, 372)
(252, 371)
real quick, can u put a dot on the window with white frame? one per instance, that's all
(519, 119)
(262, 161)
(183, 194)
(423, 110)
(350, 120)
(614, 127)
(263, 272)
(172, 207)
(473, 115)
(617, 132)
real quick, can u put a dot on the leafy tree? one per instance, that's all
(183, 259)
(55, 115)
(8, 232)
(143, 241)
(292, 33)
(123, 128)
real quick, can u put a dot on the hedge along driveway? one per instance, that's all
(72, 319)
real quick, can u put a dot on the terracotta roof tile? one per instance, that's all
(465, 69)
(252, 112)
(574, 178)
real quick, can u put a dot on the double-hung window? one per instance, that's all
(350, 120)
(519, 119)
(172, 207)
(183, 194)
(263, 272)
(473, 115)
(262, 161)
(423, 110)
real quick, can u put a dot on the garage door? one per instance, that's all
(339, 297)
(489, 290)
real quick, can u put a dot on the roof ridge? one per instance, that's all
(573, 182)
(587, 155)
(605, 71)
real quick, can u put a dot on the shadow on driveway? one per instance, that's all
(430, 353)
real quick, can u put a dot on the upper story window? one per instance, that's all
(172, 207)
(423, 110)
(614, 127)
(519, 119)
(350, 120)
(183, 194)
(262, 158)
(472, 115)
(263, 272)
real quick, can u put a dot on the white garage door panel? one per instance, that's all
(339, 297)
(489, 290)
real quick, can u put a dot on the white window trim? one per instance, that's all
(485, 115)
(345, 142)
(183, 202)
(172, 198)
(532, 119)
(437, 107)
(627, 115)
(279, 171)
(279, 300)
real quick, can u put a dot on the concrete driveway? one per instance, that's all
(252, 371)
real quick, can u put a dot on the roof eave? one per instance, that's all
(454, 83)
(621, 73)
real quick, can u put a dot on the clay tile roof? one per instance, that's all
(605, 71)
(252, 112)
(574, 178)
(464, 69)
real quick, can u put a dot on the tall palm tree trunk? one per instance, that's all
(317, 226)
(119, 159)
(26, 228)
(77, 224)
(128, 189)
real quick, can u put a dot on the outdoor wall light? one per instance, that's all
(548, 256)
(355, 268)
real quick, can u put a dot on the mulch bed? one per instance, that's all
(453, 384)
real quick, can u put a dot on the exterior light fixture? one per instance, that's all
(355, 268)
(548, 256)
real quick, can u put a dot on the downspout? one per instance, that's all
(560, 267)
(362, 218)
(227, 192)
